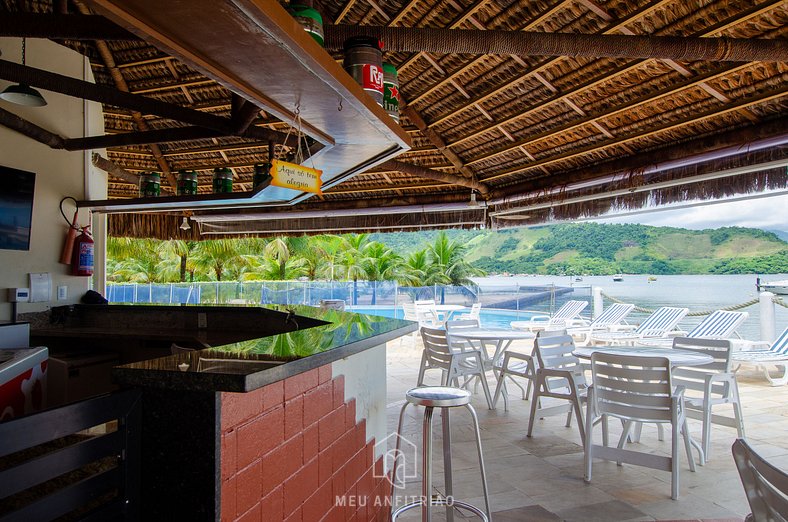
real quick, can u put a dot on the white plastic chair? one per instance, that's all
(765, 485)
(438, 354)
(517, 364)
(560, 376)
(425, 309)
(610, 319)
(656, 325)
(566, 316)
(715, 382)
(776, 354)
(473, 315)
(635, 389)
(720, 324)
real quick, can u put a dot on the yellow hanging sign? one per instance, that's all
(298, 177)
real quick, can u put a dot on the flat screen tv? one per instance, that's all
(16, 208)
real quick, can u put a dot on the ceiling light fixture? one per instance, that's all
(473, 202)
(23, 94)
(185, 225)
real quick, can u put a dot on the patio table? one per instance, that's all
(676, 357)
(501, 337)
(445, 311)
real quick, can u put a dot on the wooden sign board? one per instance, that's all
(298, 177)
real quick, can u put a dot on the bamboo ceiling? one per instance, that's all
(539, 137)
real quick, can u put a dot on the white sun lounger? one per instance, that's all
(776, 354)
(720, 324)
(610, 318)
(567, 315)
(657, 325)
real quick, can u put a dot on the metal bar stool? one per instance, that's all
(445, 398)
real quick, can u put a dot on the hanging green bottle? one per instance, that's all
(310, 18)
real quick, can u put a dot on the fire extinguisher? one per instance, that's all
(82, 260)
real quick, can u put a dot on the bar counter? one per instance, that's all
(280, 422)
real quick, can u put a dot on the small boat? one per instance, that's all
(618, 277)
(777, 287)
(651, 279)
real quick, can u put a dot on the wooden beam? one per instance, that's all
(424, 172)
(409, 112)
(31, 130)
(62, 27)
(776, 130)
(451, 41)
(119, 172)
(140, 138)
(243, 113)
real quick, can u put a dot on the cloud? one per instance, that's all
(770, 213)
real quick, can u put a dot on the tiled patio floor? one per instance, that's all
(541, 478)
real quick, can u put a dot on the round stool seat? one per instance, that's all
(438, 396)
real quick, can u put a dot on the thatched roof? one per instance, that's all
(545, 137)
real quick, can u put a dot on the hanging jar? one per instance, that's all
(222, 180)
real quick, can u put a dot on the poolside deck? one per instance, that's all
(541, 478)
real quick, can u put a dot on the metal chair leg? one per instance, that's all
(481, 461)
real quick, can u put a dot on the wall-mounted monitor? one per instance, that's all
(16, 208)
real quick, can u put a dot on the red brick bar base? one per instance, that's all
(292, 451)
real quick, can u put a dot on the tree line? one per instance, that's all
(348, 257)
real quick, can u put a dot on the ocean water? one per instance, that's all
(696, 292)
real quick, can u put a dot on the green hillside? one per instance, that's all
(599, 249)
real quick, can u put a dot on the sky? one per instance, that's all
(768, 213)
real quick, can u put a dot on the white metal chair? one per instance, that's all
(609, 320)
(765, 485)
(438, 354)
(566, 316)
(635, 389)
(715, 382)
(720, 324)
(560, 376)
(776, 354)
(656, 325)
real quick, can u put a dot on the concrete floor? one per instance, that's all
(541, 478)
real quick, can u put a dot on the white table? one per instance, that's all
(676, 357)
(501, 337)
(445, 311)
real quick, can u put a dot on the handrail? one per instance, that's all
(700, 313)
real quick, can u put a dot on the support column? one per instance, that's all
(598, 302)
(768, 328)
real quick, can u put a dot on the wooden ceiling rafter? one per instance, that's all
(590, 120)
(743, 103)
(543, 65)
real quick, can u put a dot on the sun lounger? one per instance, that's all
(776, 354)
(610, 318)
(720, 324)
(567, 315)
(657, 325)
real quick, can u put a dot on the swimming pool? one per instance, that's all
(488, 317)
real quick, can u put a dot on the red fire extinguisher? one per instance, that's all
(82, 260)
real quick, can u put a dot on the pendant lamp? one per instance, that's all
(23, 94)
(185, 224)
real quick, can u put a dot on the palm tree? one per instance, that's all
(352, 258)
(448, 257)
(216, 255)
(380, 264)
(176, 255)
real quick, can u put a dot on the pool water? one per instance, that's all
(490, 318)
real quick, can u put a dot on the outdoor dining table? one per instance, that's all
(502, 338)
(676, 357)
(445, 311)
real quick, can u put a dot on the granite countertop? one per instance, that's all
(250, 364)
